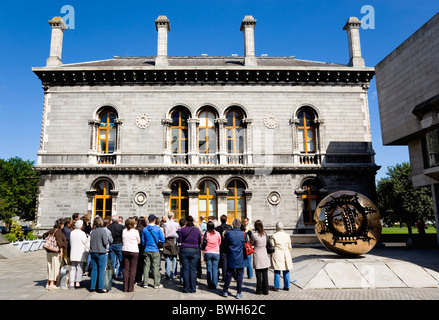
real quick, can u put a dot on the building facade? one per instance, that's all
(251, 136)
(408, 94)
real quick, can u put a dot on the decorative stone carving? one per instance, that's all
(143, 121)
(140, 198)
(274, 198)
(271, 121)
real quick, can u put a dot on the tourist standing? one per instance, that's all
(234, 240)
(281, 258)
(151, 236)
(261, 259)
(115, 253)
(98, 254)
(170, 247)
(54, 258)
(79, 246)
(212, 254)
(222, 229)
(190, 239)
(141, 224)
(130, 254)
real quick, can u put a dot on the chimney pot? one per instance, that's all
(248, 29)
(352, 27)
(58, 27)
(163, 27)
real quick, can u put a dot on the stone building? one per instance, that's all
(408, 94)
(247, 136)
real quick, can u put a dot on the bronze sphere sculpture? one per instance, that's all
(347, 223)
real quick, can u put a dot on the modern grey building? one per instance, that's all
(408, 94)
(247, 136)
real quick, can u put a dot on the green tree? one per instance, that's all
(399, 201)
(18, 189)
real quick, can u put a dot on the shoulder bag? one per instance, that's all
(51, 244)
(269, 246)
(159, 244)
(248, 249)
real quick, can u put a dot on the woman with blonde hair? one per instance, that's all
(130, 254)
(281, 258)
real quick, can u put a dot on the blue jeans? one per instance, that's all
(189, 260)
(239, 276)
(286, 274)
(168, 261)
(249, 267)
(116, 258)
(212, 261)
(98, 264)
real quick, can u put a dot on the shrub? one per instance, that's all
(11, 237)
(30, 236)
(17, 230)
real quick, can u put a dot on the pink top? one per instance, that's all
(213, 242)
(130, 240)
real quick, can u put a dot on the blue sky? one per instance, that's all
(310, 30)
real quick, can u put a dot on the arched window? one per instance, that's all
(107, 132)
(102, 199)
(207, 204)
(306, 132)
(235, 132)
(207, 142)
(179, 199)
(179, 132)
(236, 207)
(310, 200)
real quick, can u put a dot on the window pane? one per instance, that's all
(103, 146)
(230, 204)
(203, 188)
(212, 205)
(212, 188)
(229, 119)
(183, 146)
(210, 119)
(202, 205)
(240, 205)
(111, 146)
(174, 146)
(212, 145)
(183, 119)
(104, 119)
(112, 116)
(310, 146)
(238, 120)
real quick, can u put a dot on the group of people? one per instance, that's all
(134, 251)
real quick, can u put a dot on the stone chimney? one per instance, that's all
(352, 28)
(163, 27)
(58, 27)
(248, 29)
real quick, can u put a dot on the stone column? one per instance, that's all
(58, 27)
(248, 204)
(163, 27)
(248, 29)
(222, 136)
(167, 140)
(193, 204)
(248, 143)
(193, 141)
(221, 198)
(166, 198)
(352, 27)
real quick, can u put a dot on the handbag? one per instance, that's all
(269, 246)
(158, 244)
(204, 243)
(51, 244)
(248, 249)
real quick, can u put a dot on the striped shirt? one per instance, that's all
(170, 229)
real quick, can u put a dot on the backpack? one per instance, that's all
(269, 246)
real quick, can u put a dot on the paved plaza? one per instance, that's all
(414, 276)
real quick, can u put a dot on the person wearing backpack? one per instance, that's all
(222, 229)
(261, 260)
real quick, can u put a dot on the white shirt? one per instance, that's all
(130, 240)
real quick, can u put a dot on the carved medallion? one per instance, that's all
(140, 198)
(271, 121)
(143, 121)
(274, 198)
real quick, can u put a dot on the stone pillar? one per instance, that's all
(222, 136)
(193, 204)
(248, 29)
(58, 27)
(193, 124)
(221, 198)
(167, 141)
(163, 27)
(352, 28)
(248, 142)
